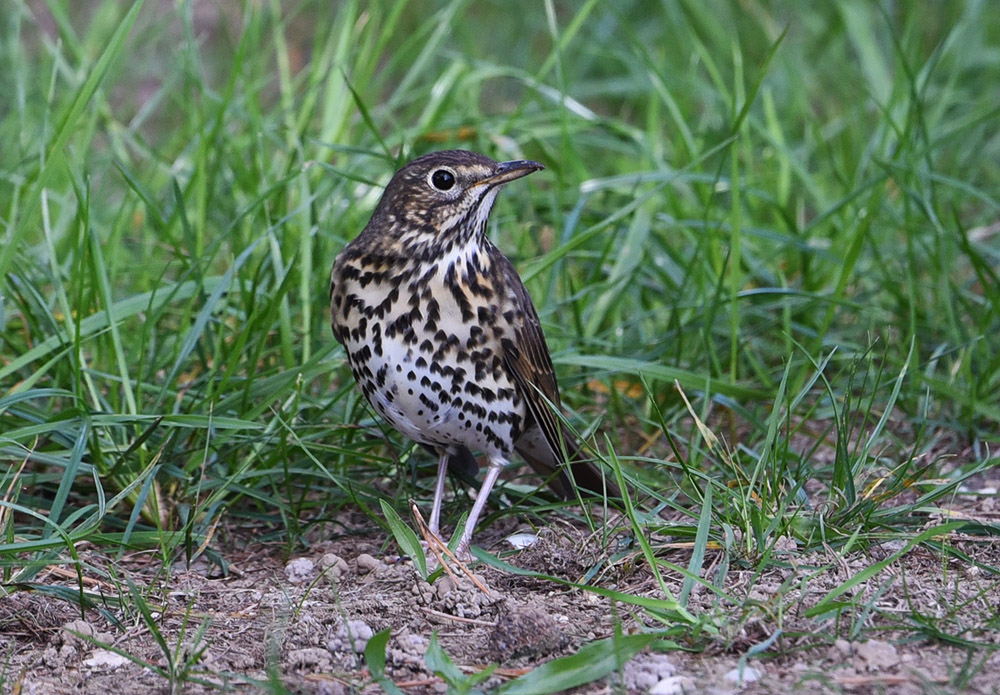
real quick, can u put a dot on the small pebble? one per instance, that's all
(444, 586)
(877, 655)
(334, 566)
(105, 660)
(367, 563)
(299, 570)
(748, 675)
(673, 685)
(522, 540)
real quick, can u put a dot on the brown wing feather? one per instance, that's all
(526, 357)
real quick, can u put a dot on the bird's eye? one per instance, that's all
(443, 179)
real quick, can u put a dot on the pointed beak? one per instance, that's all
(508, 171)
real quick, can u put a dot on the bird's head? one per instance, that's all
(444, 197)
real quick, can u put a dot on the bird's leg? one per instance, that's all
(496, 465)
(439, 493)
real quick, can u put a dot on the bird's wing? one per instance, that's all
(526, 357)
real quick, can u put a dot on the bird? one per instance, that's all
(442, 336)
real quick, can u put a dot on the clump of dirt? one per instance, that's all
(527, 631)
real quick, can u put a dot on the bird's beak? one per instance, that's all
(508, 171)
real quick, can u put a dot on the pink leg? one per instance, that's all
(492, 471)
(438, 494)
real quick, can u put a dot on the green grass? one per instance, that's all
(786, 212)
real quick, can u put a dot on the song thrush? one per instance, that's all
(442, 336)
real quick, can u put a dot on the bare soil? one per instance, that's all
(304, 621)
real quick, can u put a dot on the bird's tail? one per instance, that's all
(564, 474)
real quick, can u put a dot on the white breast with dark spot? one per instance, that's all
(431, 389)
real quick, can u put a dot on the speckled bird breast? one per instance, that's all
(426, 349)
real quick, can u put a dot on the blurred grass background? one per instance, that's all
(790, 210)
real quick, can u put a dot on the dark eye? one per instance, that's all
(442, 179)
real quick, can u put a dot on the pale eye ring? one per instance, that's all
(442, 179)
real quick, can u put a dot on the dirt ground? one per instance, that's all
(305, 620)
